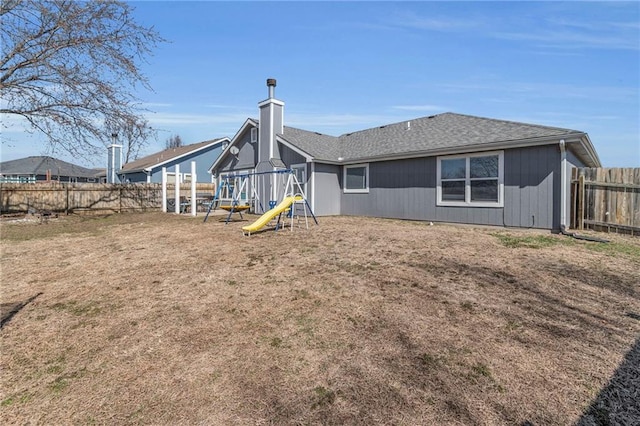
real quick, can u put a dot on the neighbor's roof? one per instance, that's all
(447, 131)
(38, 165)
(162, 157)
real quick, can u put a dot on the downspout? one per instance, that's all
(563, 185)
(563, 196)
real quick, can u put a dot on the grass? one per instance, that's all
(617, 249)
(612, 248)
(529, 241)
(323, 397)
(356, 321)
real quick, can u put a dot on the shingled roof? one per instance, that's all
(420, 136)
(39, 165)
(162, 157)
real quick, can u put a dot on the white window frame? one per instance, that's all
(467, 187)
(303, 184)
(254, 135)
(366, 179)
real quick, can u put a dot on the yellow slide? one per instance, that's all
(265, 218)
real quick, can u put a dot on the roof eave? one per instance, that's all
(308, 157)
(491, 146)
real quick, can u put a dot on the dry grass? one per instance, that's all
(159, 319)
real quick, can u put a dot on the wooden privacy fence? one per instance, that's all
(88, 197)
(606, 199)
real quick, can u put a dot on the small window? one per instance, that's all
(300, 172)
(254, 134)
(356, 178)
(475, 180)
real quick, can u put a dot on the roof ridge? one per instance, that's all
(520, 123)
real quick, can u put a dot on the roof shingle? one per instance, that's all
(421, 135)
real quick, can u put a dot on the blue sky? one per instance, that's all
(346, 66)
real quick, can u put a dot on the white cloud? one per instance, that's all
(430, 23)
(565, 39)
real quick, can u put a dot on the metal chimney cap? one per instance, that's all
(271, 82)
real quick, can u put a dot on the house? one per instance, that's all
(43, 169)
(149, 169)
(446, 167)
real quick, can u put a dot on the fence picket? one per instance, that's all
(86, 197)
(610, 199)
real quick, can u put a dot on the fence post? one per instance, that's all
(164, 190)
(66, 206)
(581, 202)
(177, 185)
(193, 189)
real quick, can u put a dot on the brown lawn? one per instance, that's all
(159, 319)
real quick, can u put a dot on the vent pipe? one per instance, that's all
(271, 84)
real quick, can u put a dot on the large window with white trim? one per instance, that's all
(473, 179)
(356, 178)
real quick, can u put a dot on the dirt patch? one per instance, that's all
(162, 319)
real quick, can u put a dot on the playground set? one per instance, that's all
(241, 192)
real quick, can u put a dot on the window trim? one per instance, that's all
(467, 181)
(366, 179)
(303, 167)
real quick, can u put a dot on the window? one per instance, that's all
(356, 178)
(300, 172)
(474, 180)
(254, 134)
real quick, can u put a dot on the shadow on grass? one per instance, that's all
(617, 403)
(8, 310)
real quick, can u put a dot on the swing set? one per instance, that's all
(240, 192)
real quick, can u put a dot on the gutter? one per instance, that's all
(563, 184)
(576, 137)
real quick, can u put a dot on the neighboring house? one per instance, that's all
(149, 168)
(100, 174)
(42, 169)
(447, 167)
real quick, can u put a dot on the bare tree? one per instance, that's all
(68, 66)
(174, 141)
(132, 135)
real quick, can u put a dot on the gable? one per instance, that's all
(247, 155)
(171, 155)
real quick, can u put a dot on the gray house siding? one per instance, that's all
(246, 158)
(406, 189)
(328, 190)
(135, 177)
(289, 156)
(532, 187)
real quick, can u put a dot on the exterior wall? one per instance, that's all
(271, 123)
(532, 187)
(406, 189)
(289, 156)
(203, 159)
(328, 189)
(137, 177)
(246, 158)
